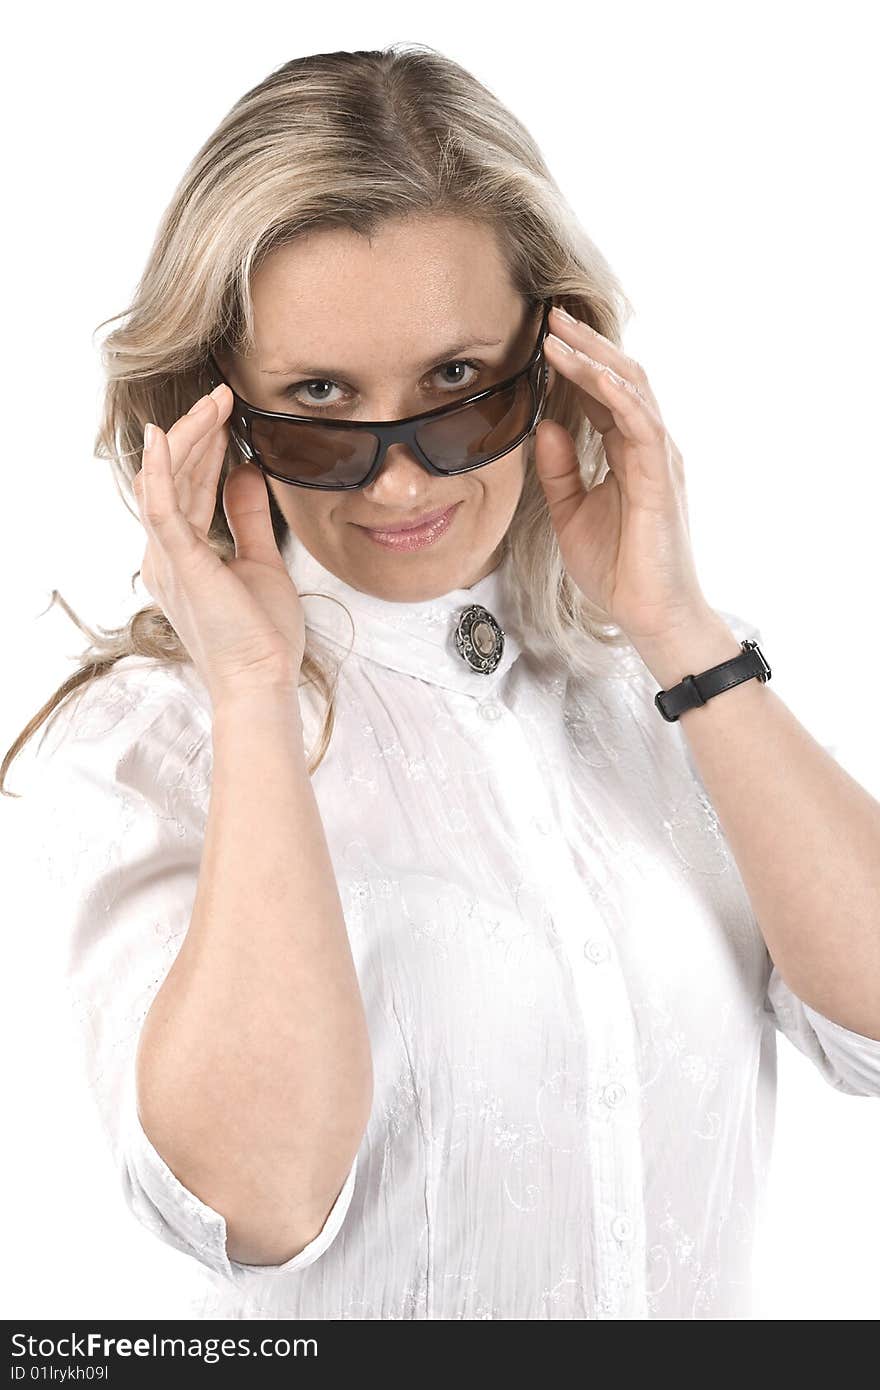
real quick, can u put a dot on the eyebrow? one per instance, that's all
(445, 355)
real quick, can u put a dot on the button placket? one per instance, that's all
(614, 1148)
(490, 710)
(614, 1094)
(622, 1228)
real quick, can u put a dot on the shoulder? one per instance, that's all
(130, 721)
(119, 792)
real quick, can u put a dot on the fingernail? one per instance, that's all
(198, 405)
(564, 314)
(216, 393)
(149, 432)
(559, 343)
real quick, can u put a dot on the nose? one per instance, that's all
(401, 475)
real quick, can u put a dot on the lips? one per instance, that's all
(414, 537)
(411, 525)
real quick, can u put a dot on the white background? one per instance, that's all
(724, 160)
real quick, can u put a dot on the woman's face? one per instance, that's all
(378, 330)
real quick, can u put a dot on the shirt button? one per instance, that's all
(596, 951)
(622, 1228)
(490, 709)
(614, 1094)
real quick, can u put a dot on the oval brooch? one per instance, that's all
(479, 638)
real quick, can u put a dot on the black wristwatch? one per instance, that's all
(696, 690)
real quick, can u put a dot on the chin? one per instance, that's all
(414, 577)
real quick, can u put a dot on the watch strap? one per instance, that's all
(696, 690)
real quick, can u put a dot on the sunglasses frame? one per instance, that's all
(387, 431)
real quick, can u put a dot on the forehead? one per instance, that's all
(337, 294)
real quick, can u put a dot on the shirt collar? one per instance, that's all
(416, 639)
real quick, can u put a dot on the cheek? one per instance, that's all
(499, 488)
(306, 511)
(505, 477)
(302, 508)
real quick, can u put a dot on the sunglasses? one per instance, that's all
(340, 454)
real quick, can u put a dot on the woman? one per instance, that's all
(428, 967)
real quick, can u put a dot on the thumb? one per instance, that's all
(246, 503)
(558, 469)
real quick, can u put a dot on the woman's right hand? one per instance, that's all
(241, 620)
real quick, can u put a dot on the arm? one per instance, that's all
(804, 834)
(254, 1077)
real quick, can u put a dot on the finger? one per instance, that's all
(191, 430)
(202, 479)
(187, 474)
(137, 485)
(160, 510)
(558, 468)
(199, 449)
(246, 500)
(196, 485)
(192, 468)
(627, 405)
(599, 415)
(586, 338)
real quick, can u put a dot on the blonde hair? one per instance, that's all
(345, 139)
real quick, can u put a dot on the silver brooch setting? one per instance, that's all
(479, 638)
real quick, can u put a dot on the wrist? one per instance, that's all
(277, 708)
(689, 649)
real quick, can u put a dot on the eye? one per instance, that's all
(460, 362)
(300, 392)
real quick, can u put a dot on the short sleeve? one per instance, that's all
(118, 808)
(848, 1061)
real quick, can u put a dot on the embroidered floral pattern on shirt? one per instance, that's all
(567, 992)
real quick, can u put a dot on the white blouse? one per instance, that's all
(571, 1007)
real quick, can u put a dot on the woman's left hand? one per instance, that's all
(625, 542)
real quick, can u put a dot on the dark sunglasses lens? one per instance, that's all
(320, 457)
(334, 458)
(470, 436)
